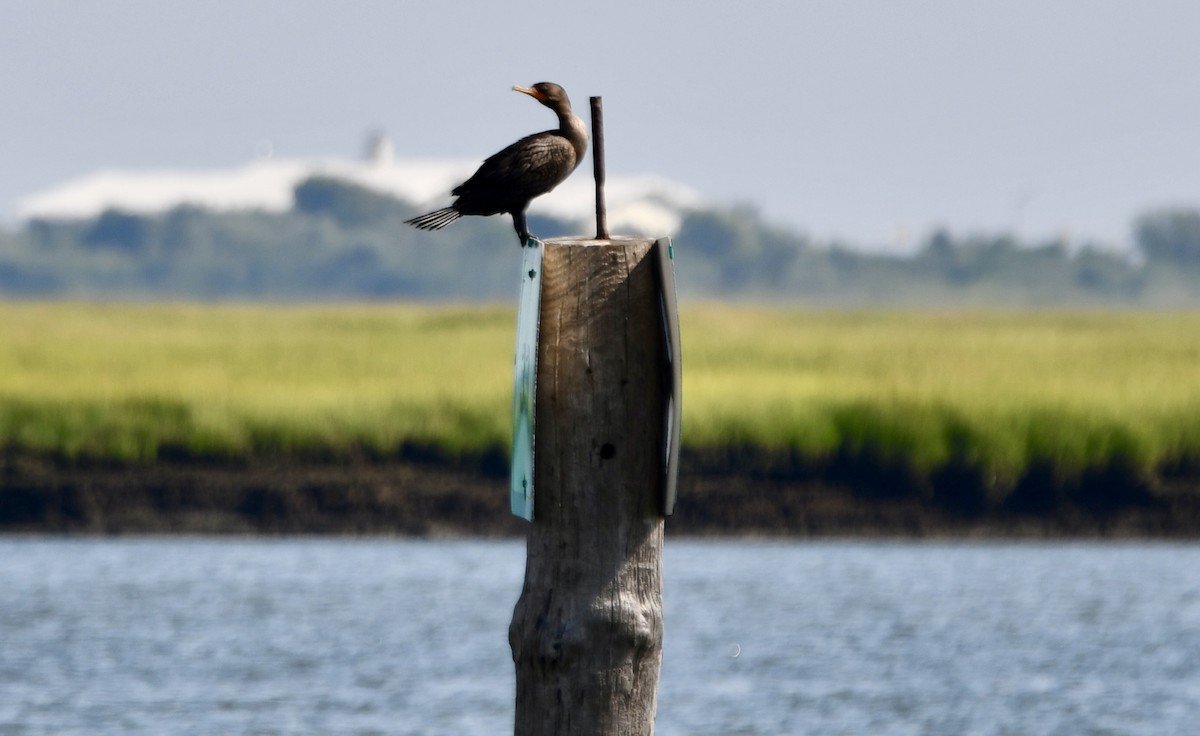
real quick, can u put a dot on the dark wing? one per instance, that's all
(528, 168)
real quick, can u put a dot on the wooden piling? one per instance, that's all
(587, 632)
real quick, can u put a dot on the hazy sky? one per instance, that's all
(869, 121)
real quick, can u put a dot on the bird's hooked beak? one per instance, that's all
(531, 92)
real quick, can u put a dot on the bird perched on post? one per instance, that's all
(507, 181)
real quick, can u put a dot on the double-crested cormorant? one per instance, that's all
(508, 180)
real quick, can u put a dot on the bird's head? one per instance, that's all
(549, 94)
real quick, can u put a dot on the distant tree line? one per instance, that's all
(733, 253)
(343, 241)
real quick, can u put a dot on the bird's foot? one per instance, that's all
(529, 241)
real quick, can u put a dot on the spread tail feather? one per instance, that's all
(435, 220)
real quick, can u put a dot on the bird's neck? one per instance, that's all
(572, 128)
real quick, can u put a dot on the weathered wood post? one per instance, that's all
(587, 631)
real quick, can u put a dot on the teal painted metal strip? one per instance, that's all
(525, 381)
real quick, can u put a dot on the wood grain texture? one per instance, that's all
(587, 631)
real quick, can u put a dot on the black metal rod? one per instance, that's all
(598, 167)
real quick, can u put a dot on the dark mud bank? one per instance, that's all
(730, 491)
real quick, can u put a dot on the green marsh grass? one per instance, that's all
(125, 381)
(992, 390)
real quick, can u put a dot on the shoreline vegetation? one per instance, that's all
(393, 419)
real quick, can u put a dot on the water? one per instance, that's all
(197, 636)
